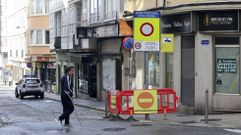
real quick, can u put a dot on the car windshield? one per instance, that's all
(32, 81)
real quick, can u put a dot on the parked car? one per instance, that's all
(29, 86)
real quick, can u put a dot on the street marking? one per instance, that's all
(233, 130)
(48, 101)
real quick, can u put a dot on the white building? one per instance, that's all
(83, 35)
(16, 37)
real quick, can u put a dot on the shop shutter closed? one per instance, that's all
(188, 70)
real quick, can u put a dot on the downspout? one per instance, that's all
(164, 3)
(99, 92)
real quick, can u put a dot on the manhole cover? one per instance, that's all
(114, 129)
(141, 125)
(188, 122)
(212, 119)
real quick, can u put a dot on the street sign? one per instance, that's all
(167, 42)
(146, 31)
(145, 101)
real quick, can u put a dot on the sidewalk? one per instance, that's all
(87, 103)
(228, 120)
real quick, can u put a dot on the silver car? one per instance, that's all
(29, 86)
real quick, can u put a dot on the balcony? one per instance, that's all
(98, 19)
(57, 43)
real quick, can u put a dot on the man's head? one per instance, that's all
(69, 70)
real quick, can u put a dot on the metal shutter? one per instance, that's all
(188, 70)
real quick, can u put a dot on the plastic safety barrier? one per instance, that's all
(122, 102)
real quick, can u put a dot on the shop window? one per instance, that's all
(227, 67)
(153, 68)
(169, 70)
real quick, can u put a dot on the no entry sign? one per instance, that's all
(146, 31)
(145, 101)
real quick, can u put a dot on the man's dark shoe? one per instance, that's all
(68, 125)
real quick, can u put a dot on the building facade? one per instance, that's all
(16, 38)
(3, 50)
(42, 61)
(206, 54)
(88, 35)
(28, 40)
(85, 34)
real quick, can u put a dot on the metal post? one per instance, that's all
(106, 113)
(147, 116)
(130, 75)
(206, 106)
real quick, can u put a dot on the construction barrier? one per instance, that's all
(129, 102)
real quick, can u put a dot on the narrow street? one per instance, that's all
(36, 117)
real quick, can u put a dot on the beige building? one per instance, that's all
(206, 53)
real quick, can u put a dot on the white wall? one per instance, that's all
(204, 70)
(177, 65)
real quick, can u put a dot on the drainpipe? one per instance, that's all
(99, 92)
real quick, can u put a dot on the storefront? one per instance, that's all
(206, 57)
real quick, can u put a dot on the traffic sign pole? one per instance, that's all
(147, 116)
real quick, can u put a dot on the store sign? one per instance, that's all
(146, 31)
(180, 23)
(219, 21)
(167, 42)
(42, 59)
(226, 65)
(105, 31)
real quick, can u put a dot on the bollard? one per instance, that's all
(206, 106)
(106, 102)
(165, 114)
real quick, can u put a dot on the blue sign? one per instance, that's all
(146, 14)
(128, 43)
(205, 42)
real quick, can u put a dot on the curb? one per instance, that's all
(85, 106)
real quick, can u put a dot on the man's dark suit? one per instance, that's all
(66, 95)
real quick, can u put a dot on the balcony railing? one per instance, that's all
(57, 43)
(97, 18)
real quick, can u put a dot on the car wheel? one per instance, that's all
(16, 94)
(42, 96)
(21, 96)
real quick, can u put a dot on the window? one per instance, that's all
(39, 7)
(153, 68)
(94, 11)
(227, 65)
(39, 36)
(16, 53)
(47, 37)
(111, 7)
(22, 53)
(169, 70)
(32, 81)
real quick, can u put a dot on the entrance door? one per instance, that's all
(188, 70)
(92, 91)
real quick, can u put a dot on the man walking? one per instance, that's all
(66, 96)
